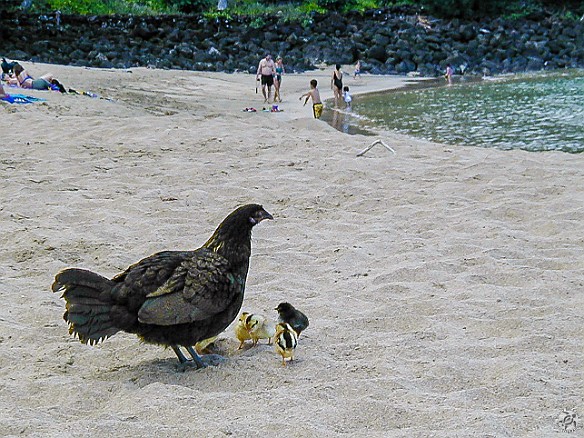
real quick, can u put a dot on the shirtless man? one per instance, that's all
(316, 102)
(267, 70)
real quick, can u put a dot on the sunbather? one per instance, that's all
(24, 80)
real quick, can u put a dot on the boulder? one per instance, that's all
(405, 66)
(378, 53)
(534, 64)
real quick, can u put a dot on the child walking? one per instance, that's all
(315, 95)
(347, 97)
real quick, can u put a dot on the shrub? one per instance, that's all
(102, 7)
(467, 8)
(191, 6)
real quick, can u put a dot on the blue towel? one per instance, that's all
(21, 98)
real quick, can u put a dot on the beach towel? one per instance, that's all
(21, 98)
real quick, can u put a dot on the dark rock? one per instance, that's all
(386, 41)
(381, 40)
(466, 32)
(16, 54)
(271, 36)
(534, 64)
(144, 31)
(77, 54)
(519, 64)
(378, 53)
(405, 67)
(402, 44)
(105, 63)
(185, 49)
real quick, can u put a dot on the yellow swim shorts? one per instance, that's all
(317, 110)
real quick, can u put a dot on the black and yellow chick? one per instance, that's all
(285, 341)
(260, 328)
(171, 298)
(290, 315)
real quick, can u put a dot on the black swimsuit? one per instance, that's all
(338, 82)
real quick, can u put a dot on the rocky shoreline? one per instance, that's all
(387, 42)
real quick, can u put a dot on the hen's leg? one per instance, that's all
(196, 358)
(207, 359)
(180, 355)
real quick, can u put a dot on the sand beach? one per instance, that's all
(444, 284)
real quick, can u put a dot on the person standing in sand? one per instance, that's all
(278, 79)
(315, 95)
(357, 70)
(449, 73)
(266, 71)
(337, 83)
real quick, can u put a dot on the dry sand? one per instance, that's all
(444, 284)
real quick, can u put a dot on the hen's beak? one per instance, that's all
(260, 216)
(263, 214)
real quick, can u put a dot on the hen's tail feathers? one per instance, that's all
(89, 304)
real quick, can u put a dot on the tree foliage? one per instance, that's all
(257, 8)
(468, 8)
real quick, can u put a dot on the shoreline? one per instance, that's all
(442, 283)
(355, 120)
(338, 121)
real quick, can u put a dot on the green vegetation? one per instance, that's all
(102, 7)
(300, 10)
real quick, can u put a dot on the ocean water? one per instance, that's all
(538, 112)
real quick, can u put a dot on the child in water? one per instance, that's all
(347, 97)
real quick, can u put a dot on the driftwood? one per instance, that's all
(381, 142)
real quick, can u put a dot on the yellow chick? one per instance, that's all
(260, 328)
(201, 346)
(241, 331)
(285, 341)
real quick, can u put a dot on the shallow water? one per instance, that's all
(531, 112)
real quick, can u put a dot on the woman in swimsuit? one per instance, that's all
(45, 82)
(337, 83)
(278, 79)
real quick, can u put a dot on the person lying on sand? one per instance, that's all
(24, 80)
